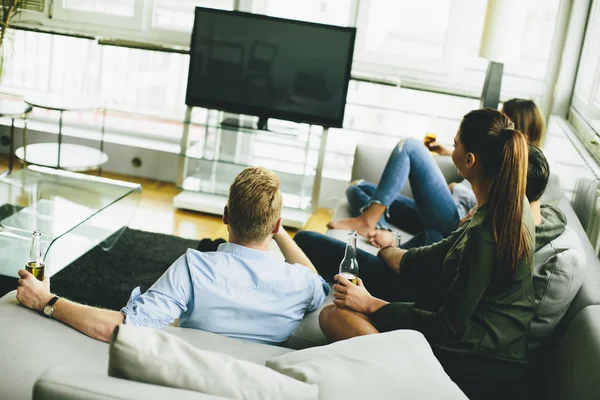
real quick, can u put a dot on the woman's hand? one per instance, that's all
(355, 297)
(439, 148)
(381, 238)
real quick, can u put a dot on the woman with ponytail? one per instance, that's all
(474, 296)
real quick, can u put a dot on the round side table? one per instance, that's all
(13, 110)
(59, 155)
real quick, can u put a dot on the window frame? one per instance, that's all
(587, 105)
(133, 23)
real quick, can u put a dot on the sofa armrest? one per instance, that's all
(63, 384)
(574, 371)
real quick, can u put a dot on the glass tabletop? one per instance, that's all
(74, 213)
(63, 102)
(13, 109)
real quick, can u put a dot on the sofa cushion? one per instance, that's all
(589, 293)
(574, 369)
(156, 357)
(392, 365)
(68, 384)
(557, 276)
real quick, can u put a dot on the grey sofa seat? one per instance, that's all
(70, 384)
(32, 344)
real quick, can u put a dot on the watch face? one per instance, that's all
(48, 310)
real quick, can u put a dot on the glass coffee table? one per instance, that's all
(74, 213)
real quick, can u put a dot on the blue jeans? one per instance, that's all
(433, 207)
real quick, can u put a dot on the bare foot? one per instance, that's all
(357, 224)
(381, 238)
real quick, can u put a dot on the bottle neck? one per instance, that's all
(35, 255)
(351, 246)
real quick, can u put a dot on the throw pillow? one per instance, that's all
(153, 356)
(392, 365)
(557, 276)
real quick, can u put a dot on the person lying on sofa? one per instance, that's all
(242, 290)
(482, 271)
(436, 208)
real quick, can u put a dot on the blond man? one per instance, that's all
(242, 290)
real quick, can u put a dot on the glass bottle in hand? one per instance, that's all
(349, 265)
(35, 264)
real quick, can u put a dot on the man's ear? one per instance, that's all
(226, 216)
(471, 159)
(277, 226)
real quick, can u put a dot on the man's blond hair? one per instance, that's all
(254, 204)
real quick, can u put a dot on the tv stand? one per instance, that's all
(262, 123)
(208, 165)
(245, 122)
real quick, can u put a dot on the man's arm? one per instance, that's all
(94, 322)
(292, 253)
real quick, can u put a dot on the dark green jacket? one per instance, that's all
(482, 311)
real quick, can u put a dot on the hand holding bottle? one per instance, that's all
(355, 297)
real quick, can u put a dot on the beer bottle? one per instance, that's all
(349, 265)
(35, 263)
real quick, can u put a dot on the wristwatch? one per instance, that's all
(49, 308)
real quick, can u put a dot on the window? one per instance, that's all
(405, 30)
(436, 43)
(35, 5)
(178, 15)
(586, 98)
(334, 12)
(127, 14)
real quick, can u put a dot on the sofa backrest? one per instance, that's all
(589, 293)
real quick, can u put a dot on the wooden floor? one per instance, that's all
(157, 214)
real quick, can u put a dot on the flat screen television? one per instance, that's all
(269, 67)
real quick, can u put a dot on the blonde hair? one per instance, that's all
(254, 204)
(528, 119)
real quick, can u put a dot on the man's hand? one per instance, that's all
(355, 297)
(381, 238)
(31, 292)
(439, 148)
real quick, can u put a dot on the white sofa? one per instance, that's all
(53, 361)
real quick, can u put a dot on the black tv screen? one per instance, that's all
(270, 67)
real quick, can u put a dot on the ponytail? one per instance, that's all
(507, 199)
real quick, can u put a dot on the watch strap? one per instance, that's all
(53, 300)
(51, 304)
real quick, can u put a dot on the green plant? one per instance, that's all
(9, 9)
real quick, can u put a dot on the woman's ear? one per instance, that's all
(471, 160)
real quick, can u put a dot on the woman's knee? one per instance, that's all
(410, 145)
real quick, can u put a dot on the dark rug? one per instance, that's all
(106, 278)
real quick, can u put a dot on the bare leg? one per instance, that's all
(340, 323)
(364, 223)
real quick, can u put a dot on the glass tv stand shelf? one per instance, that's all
(212, 154)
